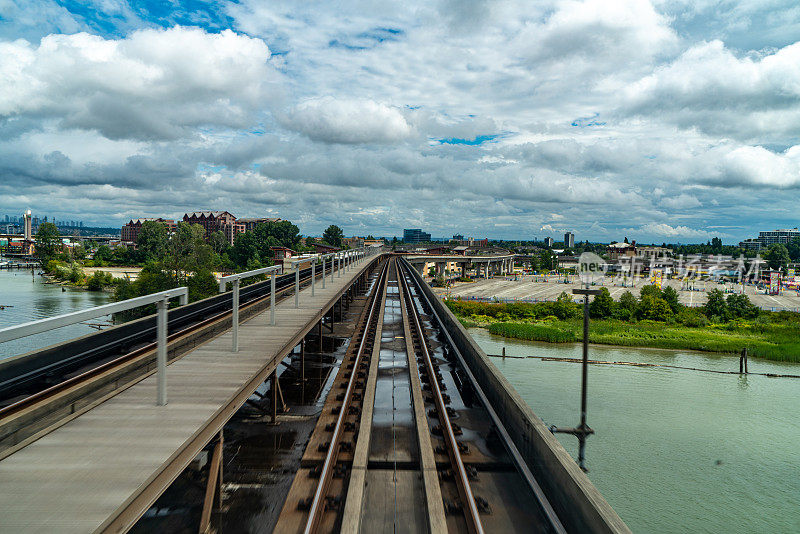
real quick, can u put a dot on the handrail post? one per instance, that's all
(236, 315)
(339, 270)
(333, 265)
(161, 353)
(272, 299)
(323, 272)
(313, 275)
(297, 286)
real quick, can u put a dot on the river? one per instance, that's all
(30, 298)
(675, 450)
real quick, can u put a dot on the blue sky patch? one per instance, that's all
(478, 140)
(585, 122)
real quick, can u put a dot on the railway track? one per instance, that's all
(46, 374)
(406, 441)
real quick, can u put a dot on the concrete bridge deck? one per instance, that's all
(103, 469)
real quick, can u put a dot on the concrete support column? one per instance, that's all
(440, 267)
(420, 267)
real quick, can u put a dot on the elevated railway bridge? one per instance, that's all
(346, 399)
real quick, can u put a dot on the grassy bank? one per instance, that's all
(769, 335)
(780, 343)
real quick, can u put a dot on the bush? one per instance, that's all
(75, 275)
(99, 280)
(653, 309)
(202, 285)
(692, 318)
(533, 332)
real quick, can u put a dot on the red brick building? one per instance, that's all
(213, 221)
(130, 232)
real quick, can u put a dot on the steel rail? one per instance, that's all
(509, 444)
(120, 361)
(471, 513)
(316, 508)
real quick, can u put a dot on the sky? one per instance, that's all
(660, 121)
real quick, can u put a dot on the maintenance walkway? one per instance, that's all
(102, 470)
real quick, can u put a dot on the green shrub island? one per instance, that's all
(656, 319)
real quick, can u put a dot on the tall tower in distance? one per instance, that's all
(28, 230)
(569, 240)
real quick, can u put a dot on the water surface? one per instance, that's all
(30, 299)
(675, 450)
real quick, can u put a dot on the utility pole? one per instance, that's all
(590, 266)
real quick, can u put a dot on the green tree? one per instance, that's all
(652, 291)
(48, 242)
(564, 307)
(78, 252)
(716, 306)
(671, 296)
(740, 306)
(653, 309)
(777, 256)
(547, 260)
(793, 248)
(333, 235)
(602, 306)
(219, 243)
(188, 252)
(151, 243)
(245, 249)
(202, 284)
(628, 301)
(102, 255)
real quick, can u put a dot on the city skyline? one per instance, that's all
(669, 121)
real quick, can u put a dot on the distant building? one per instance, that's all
(415, 235)
(777, 237)
(472, 242)
(621, 250)
(324, 248)
(213, 221)
(250, 223)
(282, 253)
(751, 244)
(569, 240)
(652, 252)
(548, 242)
(458, 237)
(353, 242)
(130, 232)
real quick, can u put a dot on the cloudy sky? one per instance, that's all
(658, 120)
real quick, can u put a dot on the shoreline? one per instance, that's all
(641, 346)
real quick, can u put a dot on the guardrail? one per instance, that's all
(346, 260)
(236, 280)
(160, 299)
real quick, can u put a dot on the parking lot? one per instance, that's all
(532, 288)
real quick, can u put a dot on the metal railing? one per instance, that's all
(346, 260)
(235, 279)
(160, 299)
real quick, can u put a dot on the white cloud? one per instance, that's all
(348, 121)
(152, 84)
(663, 230)
(681, 202)
(708, 87)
